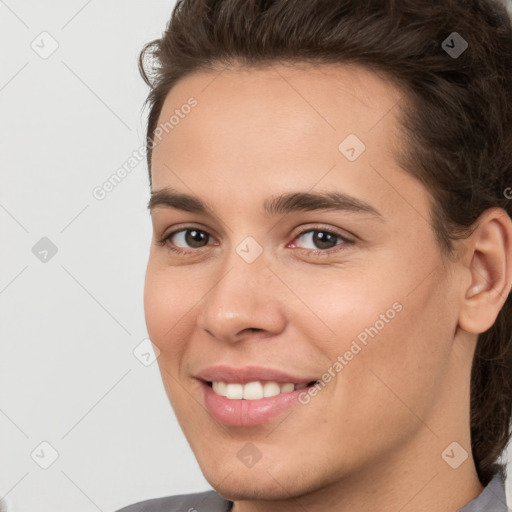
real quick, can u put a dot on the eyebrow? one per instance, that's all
(277, 205)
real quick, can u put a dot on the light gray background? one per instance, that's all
(69, 326)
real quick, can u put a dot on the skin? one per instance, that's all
(376, 432)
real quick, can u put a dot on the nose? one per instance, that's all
(244, 298)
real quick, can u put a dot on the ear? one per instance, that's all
(488, 268)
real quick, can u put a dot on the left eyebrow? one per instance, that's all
(312, 201)
(277, 205)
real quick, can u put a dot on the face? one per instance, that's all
(306, 255)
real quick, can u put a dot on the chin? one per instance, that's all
(261, 483)
(236, 489)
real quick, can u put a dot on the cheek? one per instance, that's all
(169, 298)
(392, 325)
(168, 303)
(395, 378)
(335, 306)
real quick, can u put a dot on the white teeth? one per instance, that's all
(253, 390)
(271, 389)
(219, 388)
(234, 391)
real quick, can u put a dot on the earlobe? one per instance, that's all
(489, 264)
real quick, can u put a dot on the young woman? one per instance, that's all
(329, 280)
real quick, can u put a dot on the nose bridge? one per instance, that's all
(242, 296)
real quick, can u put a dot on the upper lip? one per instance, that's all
(245, 374)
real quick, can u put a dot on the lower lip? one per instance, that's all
(247, 413)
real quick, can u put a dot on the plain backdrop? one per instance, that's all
(85, 424)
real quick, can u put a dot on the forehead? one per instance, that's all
(276, 111)
(280, 128)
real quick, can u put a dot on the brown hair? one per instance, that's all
(456, 117)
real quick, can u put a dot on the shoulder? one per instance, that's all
(202, 501)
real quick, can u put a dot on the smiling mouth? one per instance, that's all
(255, 390)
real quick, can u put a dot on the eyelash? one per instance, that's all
(165, 241)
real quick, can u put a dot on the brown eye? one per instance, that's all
(191, 238)
(320, 239)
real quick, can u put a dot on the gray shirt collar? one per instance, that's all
(492, 498)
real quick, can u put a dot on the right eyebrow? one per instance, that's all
(169, 198)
